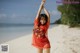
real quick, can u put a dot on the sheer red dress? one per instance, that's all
(41, 42)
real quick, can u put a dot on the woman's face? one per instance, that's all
(42, 20)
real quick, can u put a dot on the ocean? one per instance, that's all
(12, 32)
(15, 31)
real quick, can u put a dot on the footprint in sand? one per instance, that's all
(73, 50)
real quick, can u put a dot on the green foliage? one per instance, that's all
(70, 14)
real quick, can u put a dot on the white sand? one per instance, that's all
(62, 39)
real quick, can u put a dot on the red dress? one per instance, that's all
(41, 42)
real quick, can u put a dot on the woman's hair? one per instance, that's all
(42, 16)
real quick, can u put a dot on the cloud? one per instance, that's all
(3, 15)
(54, 12)
(55, 15)
(15, 18)
(13, 15)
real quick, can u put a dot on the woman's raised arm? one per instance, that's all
(47, 13)
(40, 9)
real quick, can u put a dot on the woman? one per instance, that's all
(41, 25)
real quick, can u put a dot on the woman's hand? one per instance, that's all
(43, 0)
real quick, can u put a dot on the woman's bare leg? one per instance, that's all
(40, 50)
(47, 50)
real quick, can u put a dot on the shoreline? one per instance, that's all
(62, 40)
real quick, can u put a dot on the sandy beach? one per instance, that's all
(62, 39)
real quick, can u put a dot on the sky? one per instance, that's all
(24, 11)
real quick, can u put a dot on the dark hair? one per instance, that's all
(39, 18)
